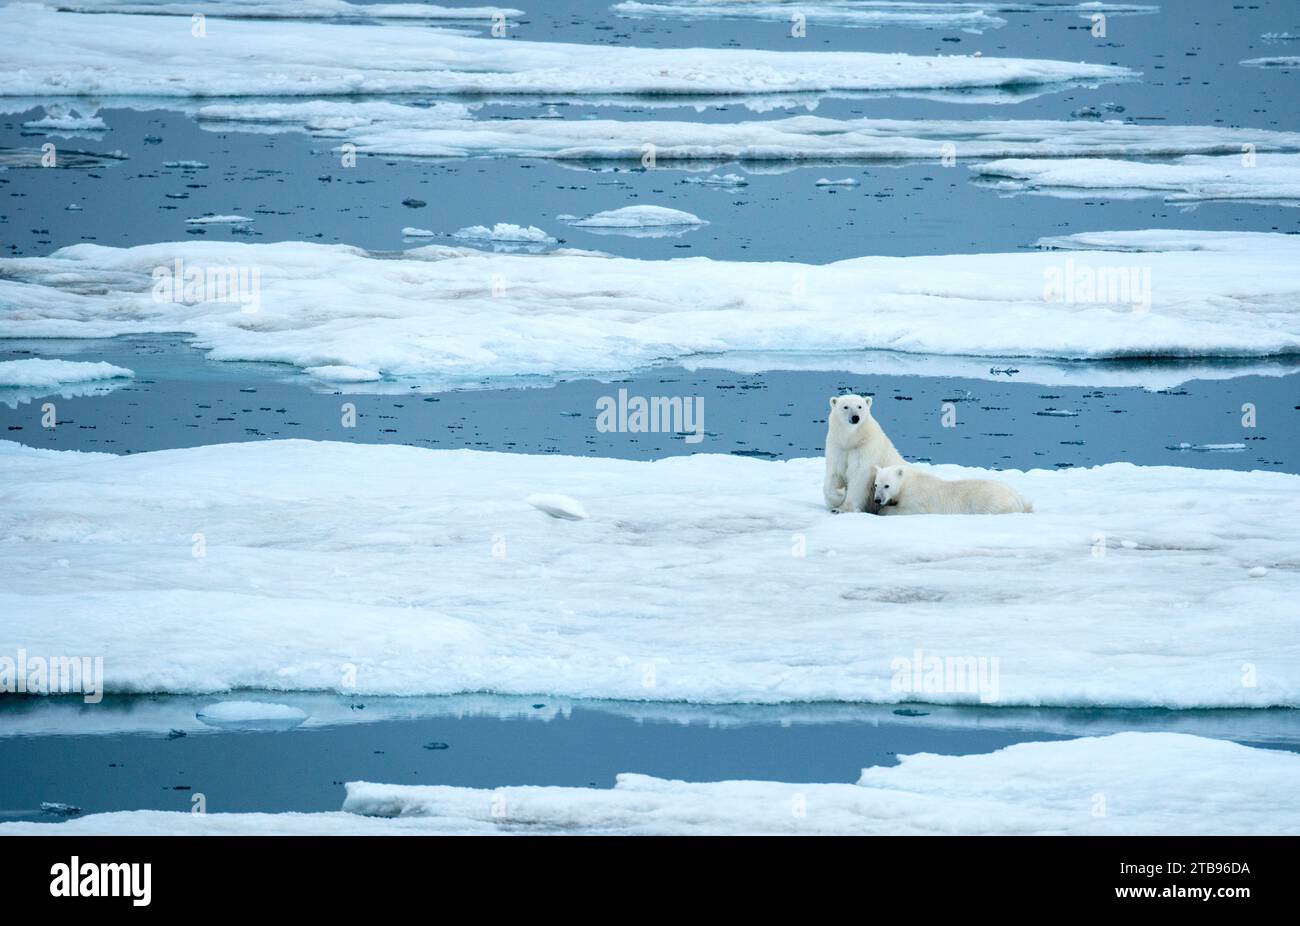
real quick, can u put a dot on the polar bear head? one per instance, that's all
(889, 482)
(849, 413)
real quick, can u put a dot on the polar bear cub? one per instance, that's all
(856, 446)
(906, 490)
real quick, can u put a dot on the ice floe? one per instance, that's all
(40, 372)
(1244, 177)
(970, 17)
(640, 221)
(1129, 586)
(460, 316)
(281, 9)
(219, 220)
(1281, 62)
(68, 54)
(448, 130)
(505, 232)
(1114, 785)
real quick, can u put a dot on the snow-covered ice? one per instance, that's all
(458, 315)
(54, 53)
(39, 372)
(1253, 177)
(1220, 788)
(448, 129)
(430, 573)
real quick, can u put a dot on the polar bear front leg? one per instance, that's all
(859, 495)
(833, 488)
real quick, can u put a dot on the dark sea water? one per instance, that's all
(293, 188)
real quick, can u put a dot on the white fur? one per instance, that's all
(905, 490)
(853, 453)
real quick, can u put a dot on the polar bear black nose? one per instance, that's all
(855, 419)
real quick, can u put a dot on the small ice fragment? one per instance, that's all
(558, 506)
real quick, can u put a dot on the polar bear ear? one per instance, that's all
(867, 399)
(834, 399)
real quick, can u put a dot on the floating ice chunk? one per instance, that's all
(410, 232)
(106, 55)
(1141, 627)
(251, 715)
(344, 374)
(639, 217)
(1282, 62)
(45, 373)
(1254, 177)
(1209, 448)
(186, 165)
(219, 220)
(505, 231)
(1022, 789)
(61, 119)
(728, 180)
(558, 506)
(846, 181)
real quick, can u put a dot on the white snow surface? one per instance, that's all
(448, 129)
(457, 315)
(38, 372)
(430, 574)
(1266, 177)
(1220, 788)
(50, 53)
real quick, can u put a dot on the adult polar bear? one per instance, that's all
(856, 446)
